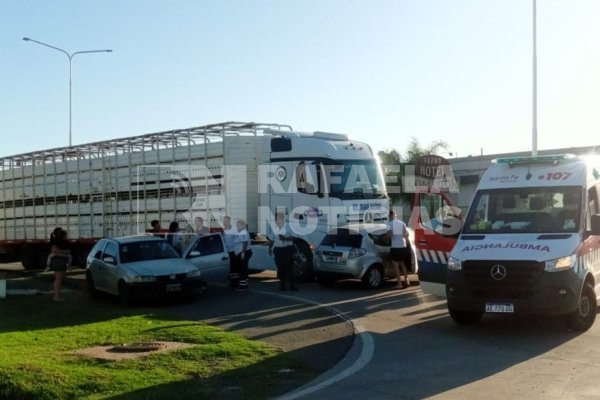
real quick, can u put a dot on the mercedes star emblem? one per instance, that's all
(498, 272)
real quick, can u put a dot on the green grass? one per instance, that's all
(38, 338)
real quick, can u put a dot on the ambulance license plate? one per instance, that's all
(176, 287)
(499, 308)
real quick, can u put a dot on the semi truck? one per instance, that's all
(248, 171)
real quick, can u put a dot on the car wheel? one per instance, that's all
(125, 294)
(585, 314)
(373, 278)
(303, 263)
(465, 317)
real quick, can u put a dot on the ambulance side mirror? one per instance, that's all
(450, 227)
(595, 224)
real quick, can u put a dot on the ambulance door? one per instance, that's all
(436, 224)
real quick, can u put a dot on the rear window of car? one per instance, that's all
(344, 238)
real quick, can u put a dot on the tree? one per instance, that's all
(394, 166)
(415, 150)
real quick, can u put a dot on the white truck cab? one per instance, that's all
(530, 243)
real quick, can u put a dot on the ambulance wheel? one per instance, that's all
(584, 316)
(465, 317)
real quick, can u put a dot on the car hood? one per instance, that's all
(165, 266)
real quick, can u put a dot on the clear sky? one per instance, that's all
(381, 71)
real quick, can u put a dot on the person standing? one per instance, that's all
(156, 229)
(60, 252)
(174, 237)
(229, 237)
(200, 229)
(399, 249)
(243, 253)
(283, 250)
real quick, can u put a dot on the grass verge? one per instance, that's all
(38, 338)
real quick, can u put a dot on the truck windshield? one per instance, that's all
(525, 210)
(355, 179)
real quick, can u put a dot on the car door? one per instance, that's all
(436, 224)
(95, 265)
(108, 270)
(208, 254)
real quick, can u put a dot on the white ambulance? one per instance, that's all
(530, 243)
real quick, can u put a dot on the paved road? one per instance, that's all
(418, 352)
(410, 349)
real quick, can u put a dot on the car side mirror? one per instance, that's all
(110, 260)
(194, 253)
(595, 224)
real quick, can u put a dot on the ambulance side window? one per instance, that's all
(592, 206)
(433, 210)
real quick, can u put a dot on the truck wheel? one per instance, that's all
(585, 315)
(31, 258)
(302, 267)
(465, 317)
(373, 278)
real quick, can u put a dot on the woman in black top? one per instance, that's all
(59, 261)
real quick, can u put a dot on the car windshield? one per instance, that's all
(343, 238)
(525, 210)
(146, 250)
(356, 179)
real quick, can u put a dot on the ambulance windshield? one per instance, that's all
(525, 210)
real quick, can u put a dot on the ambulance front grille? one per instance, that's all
(520, 281)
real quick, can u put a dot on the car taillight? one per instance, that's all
(354, 253)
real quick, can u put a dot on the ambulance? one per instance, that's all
(530, 242)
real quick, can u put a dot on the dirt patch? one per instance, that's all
(109, 353)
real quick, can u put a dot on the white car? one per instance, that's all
(358, 251)
(137, 267)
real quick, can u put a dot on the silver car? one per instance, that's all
(358, 251)
(140, 266)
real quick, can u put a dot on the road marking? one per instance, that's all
(366, 354)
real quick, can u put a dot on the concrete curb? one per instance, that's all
(357, 356)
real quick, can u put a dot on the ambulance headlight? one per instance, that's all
(561, 264)
(454, 264)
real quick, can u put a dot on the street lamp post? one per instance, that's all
(70, 57)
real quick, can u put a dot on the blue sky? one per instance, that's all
(381, 71)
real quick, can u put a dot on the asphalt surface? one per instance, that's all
(408, 347)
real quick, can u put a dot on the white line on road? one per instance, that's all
(366, 353)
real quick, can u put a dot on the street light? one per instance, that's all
(70, 57)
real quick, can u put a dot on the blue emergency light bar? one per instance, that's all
(550, 159)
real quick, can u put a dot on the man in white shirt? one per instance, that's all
(282, 247)
(242, 253)
(229, 237)
(399, 249)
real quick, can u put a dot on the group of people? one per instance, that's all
(237, 245)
